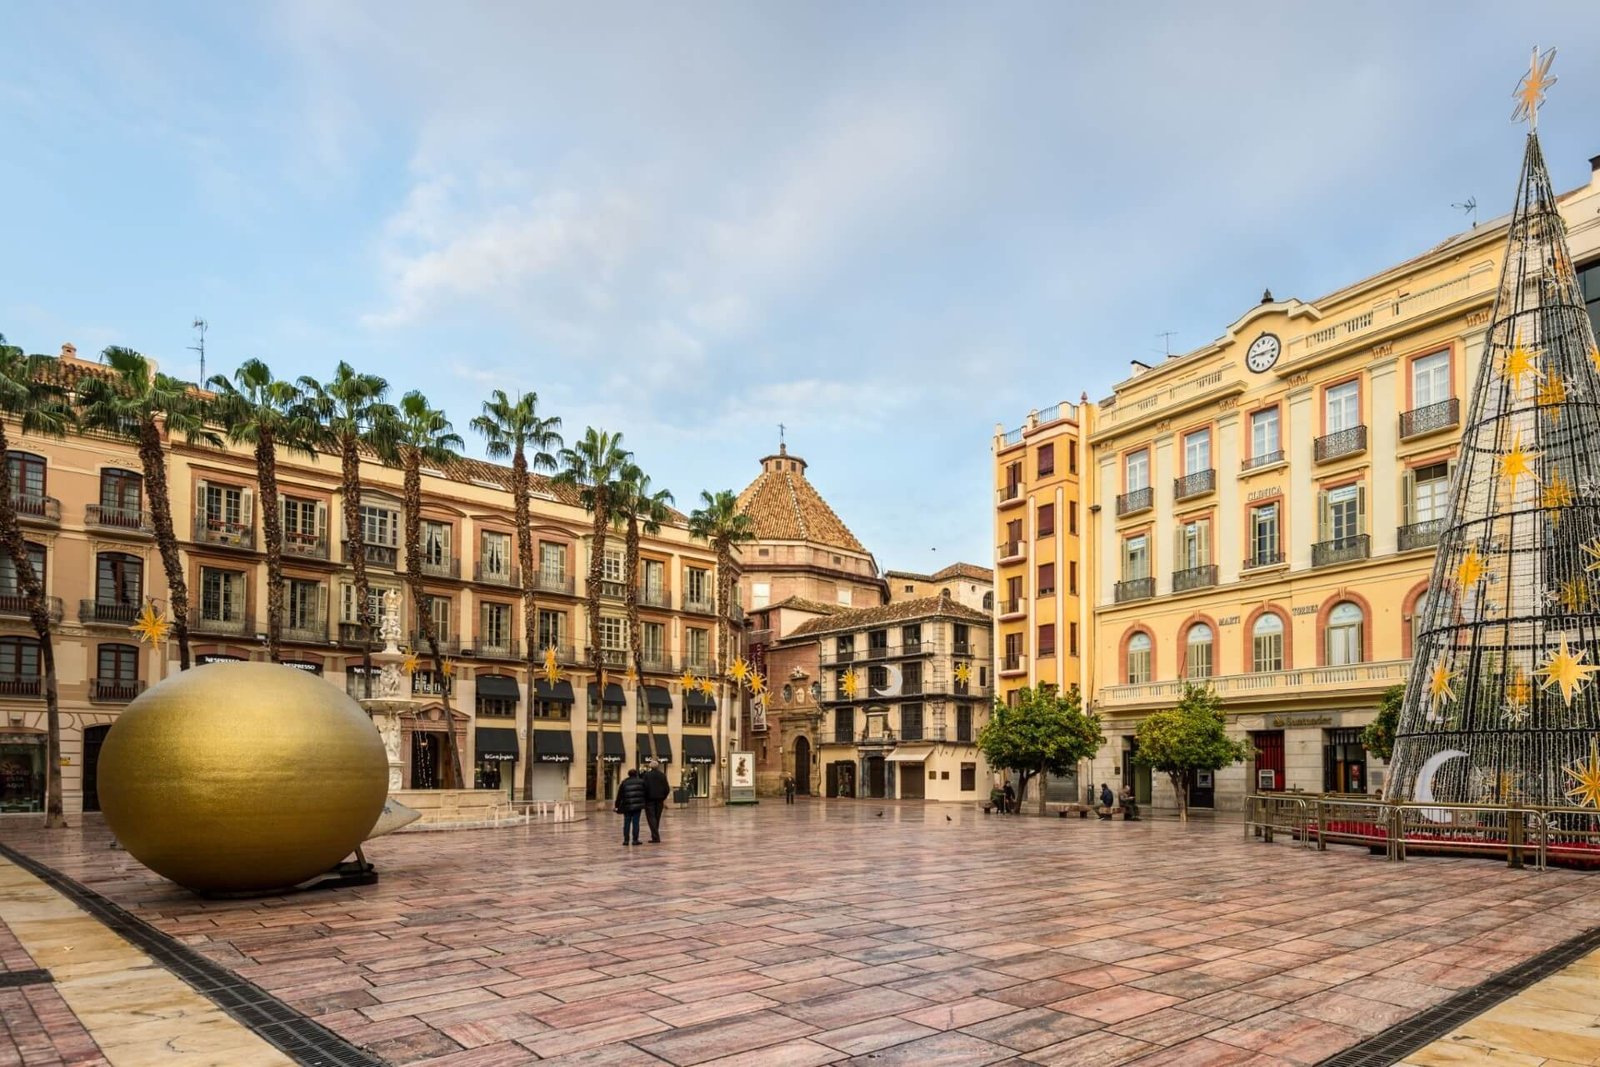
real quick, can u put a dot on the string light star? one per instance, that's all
(1532, 87)
(1592, 550)
(740, 670)
(448, 668)
(1519, 695)
(1519, 361)
(849, 682)
(630, 676)
(1584, 774)
(1566, 670)
(1557, 495)
(410, 663)
(151, 626)
(1502, 787)
(706, 686)
(1471, 571)
(758, 684)
(1552, 394)
(687, 680)
(1594, 357)
(1574, 595)
(1518, 462)
(1440, 681)
(963, 673)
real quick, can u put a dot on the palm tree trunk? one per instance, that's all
(356, 549)
(272, 532)
(451, 778)
(530, 605)
(16, 548)
(723, 638)
(632, 600)
(602, 520)
(153, 459)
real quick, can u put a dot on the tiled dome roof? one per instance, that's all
(786, 507)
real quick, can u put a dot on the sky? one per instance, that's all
(889, 227)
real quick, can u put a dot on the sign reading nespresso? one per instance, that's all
(216, 657)
(302, 665)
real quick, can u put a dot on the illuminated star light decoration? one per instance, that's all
(1592, 550)
(706, 686)
(740, 670)
(411, 663)
(151, 626)
(687, 680)
(850, 682)
(757, 684)
(1552, 394)
(1440, 683)
(1518, 363)
(552, 668)
(1583, 775)
(1566, 670)
(963, 673)
(1557, 495)
(1519, 695)
(1532, 87)
(1471, 571)
(1518, 462)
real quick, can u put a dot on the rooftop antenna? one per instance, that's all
(1166, 340)
(200, 346)
(1470, 207)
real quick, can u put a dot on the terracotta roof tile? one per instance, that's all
(904, 611)
(970, 571)
(786, 507)
(800, 603)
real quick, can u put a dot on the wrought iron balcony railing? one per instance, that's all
(15, 606)
(502, 649)
(1194, 578)
(1134, 589)
(305, 546)
(699, 607)
(109, 612)
(305, 627)
(448, 646)
(1013, 663)
(35, 508)
(552, 582)
(1341, 550)
(386, 556)
(1441, 416)
(1265, 459)
(1264, 558)
(654, 598)
(1012, 551)
(1008, 493)
(224, 626)
(495, 575)
(1135, 501)
(122, 520)
(1419, 534)
(1010, 609)
(114, 690)
(350, 636)
(21, 685)
(209, 531)
(1340, 443)
(442, 567)
(1197, 484)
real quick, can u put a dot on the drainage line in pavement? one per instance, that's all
(1402, 1039)
(302, 1039)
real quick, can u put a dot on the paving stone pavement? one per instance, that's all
(827, 933)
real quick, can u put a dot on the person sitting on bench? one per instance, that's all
(1107, 801)
(1130, 805)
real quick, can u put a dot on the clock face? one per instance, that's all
(1263, 353)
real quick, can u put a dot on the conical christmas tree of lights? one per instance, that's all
(1503, 703)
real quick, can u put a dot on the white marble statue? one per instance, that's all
(389, 626)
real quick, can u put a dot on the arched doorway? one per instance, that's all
(802, 766)
(93, 738)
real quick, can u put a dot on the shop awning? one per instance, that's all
(614, 752)
(657, 696)
(694, 700)
(614, 696)
(910, 753)
(552, 746)
(698, 748)
(663, 749)
(496, 743)
(559, 693)
(499, 686)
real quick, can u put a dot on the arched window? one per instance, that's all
(1344, 634)
(1197, 651)
(988, 602)
(1139, 646)
(1419, 622)
(788, 693)
(1266, 643)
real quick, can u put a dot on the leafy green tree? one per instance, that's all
(1045, 730)
(1187, 739)
(719, 523)
(1379, 733)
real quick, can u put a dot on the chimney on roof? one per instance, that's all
(69, 351)
(944, 600)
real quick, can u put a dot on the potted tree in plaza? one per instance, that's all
(1045, 731)
(1188, 739)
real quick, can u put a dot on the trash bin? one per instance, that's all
(680, 795)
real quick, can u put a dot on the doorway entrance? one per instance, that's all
(93, 738)
(841, 779)
(875, 776)
(1133, 772)
(1269, 761)
(1344, 761)
(913, 781)
(802, 766)
(425, 760)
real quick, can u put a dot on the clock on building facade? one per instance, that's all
(1263, 353)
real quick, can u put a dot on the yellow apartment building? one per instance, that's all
(83, 503)
(1267, 508)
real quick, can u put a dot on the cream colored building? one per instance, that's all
(86, 512)
(967, 584)
(1266, 509)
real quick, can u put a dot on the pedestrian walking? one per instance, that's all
(788, 789)
(656, 791)
(630, 805)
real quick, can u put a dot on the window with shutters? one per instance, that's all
(300, 520)
(1072, 577)
(438, 608)
(911, 677)
(302, 607)
(1342, 407)
(119, 582)
(1047, 520)
(223, 506)
(347, 602)
(1072, 639)
(1199, 644)
(552, 562)
(1343, 512)
(552, 629)
(1135, 557)
(1047, 639)
(1047, 460)
(963, 722)
(495, 625)
(1047, 579)
(27, 475)
(117, 664)
(1344, 634)
(19, 661)
(1266, 643)
(911, 637)
(121, 492)
(697, 585)
(653, 645)
(494, 555)
(1139, 646)
(1137, 470)
(697, 646)
(221, 595)
(1265, 440)
(1072, 457)
(1194, 544)
(969, 777)
(1072, 516)
(844, 725)
(653, 583)
(877, 678)
(435, 544)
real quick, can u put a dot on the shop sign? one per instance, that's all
(1228, 620)
(1305, 609)
(1291, 722)
(302, 665)
(216, 657)
(1262, 494)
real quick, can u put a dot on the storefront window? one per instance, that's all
(488, 774)
(21, 773)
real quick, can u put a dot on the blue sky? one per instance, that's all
(888, 226)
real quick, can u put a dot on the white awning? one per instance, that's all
(910, 753)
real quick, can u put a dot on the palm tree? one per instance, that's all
(267, 413)
(511, 428)
(719, 523)
(646, 509)
(31, 393)
(130, 402)
(594, 467)
(352, 413)
(422, 434)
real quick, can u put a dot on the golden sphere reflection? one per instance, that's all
(234, 777)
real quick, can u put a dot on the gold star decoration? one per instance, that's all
(1440, 681)
(630, 676)
(963, 673)
(448, 667)
(410, 663)
(151, 626)
(1594, 357)
(1557, 495)
(1518, 362)
(1471, 571)
(707, 686)
(1519, 695)
(1574, 595)
(758, 684)
(1592, 550)
(1566, 669)
(1552, 394)
(1518, 462)
(740, 670)
(1532, 87)
(849, 682)
(687, 680)
(1584, 775)
(552, 669)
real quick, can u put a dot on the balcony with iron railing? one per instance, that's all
(1201, 577)
(495, 575)
(1265, 459)
(15, 606)
(1134, 589)
(441, 566)
(21, 685)
(1340, 443)
(109, 612)
(350, 637)
(114, 690)
(566, 655)
(613, 590)
(614, 657)
(36, 509)
(699, 607)
(658, 662)
(1135, 501)
(1264, 558)
(1300, 683)
(304, 545)
(1196, 484)
(552, 582)
(306, 627)
(1013, 663)
(1423, 534)
(1341, 550)
(1012, 551)
(503, 648)
(225, 534)
(118, 520)
(654, 598)
(1014, 608)
(236, 625)
(385, 556)
(1009, 495)
(448, 646)
(1445, 415)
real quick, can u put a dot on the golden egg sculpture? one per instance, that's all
(235, 777)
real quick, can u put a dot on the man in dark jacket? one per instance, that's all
(630, 803)
(656, 791)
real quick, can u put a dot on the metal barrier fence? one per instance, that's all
(1526, 835)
